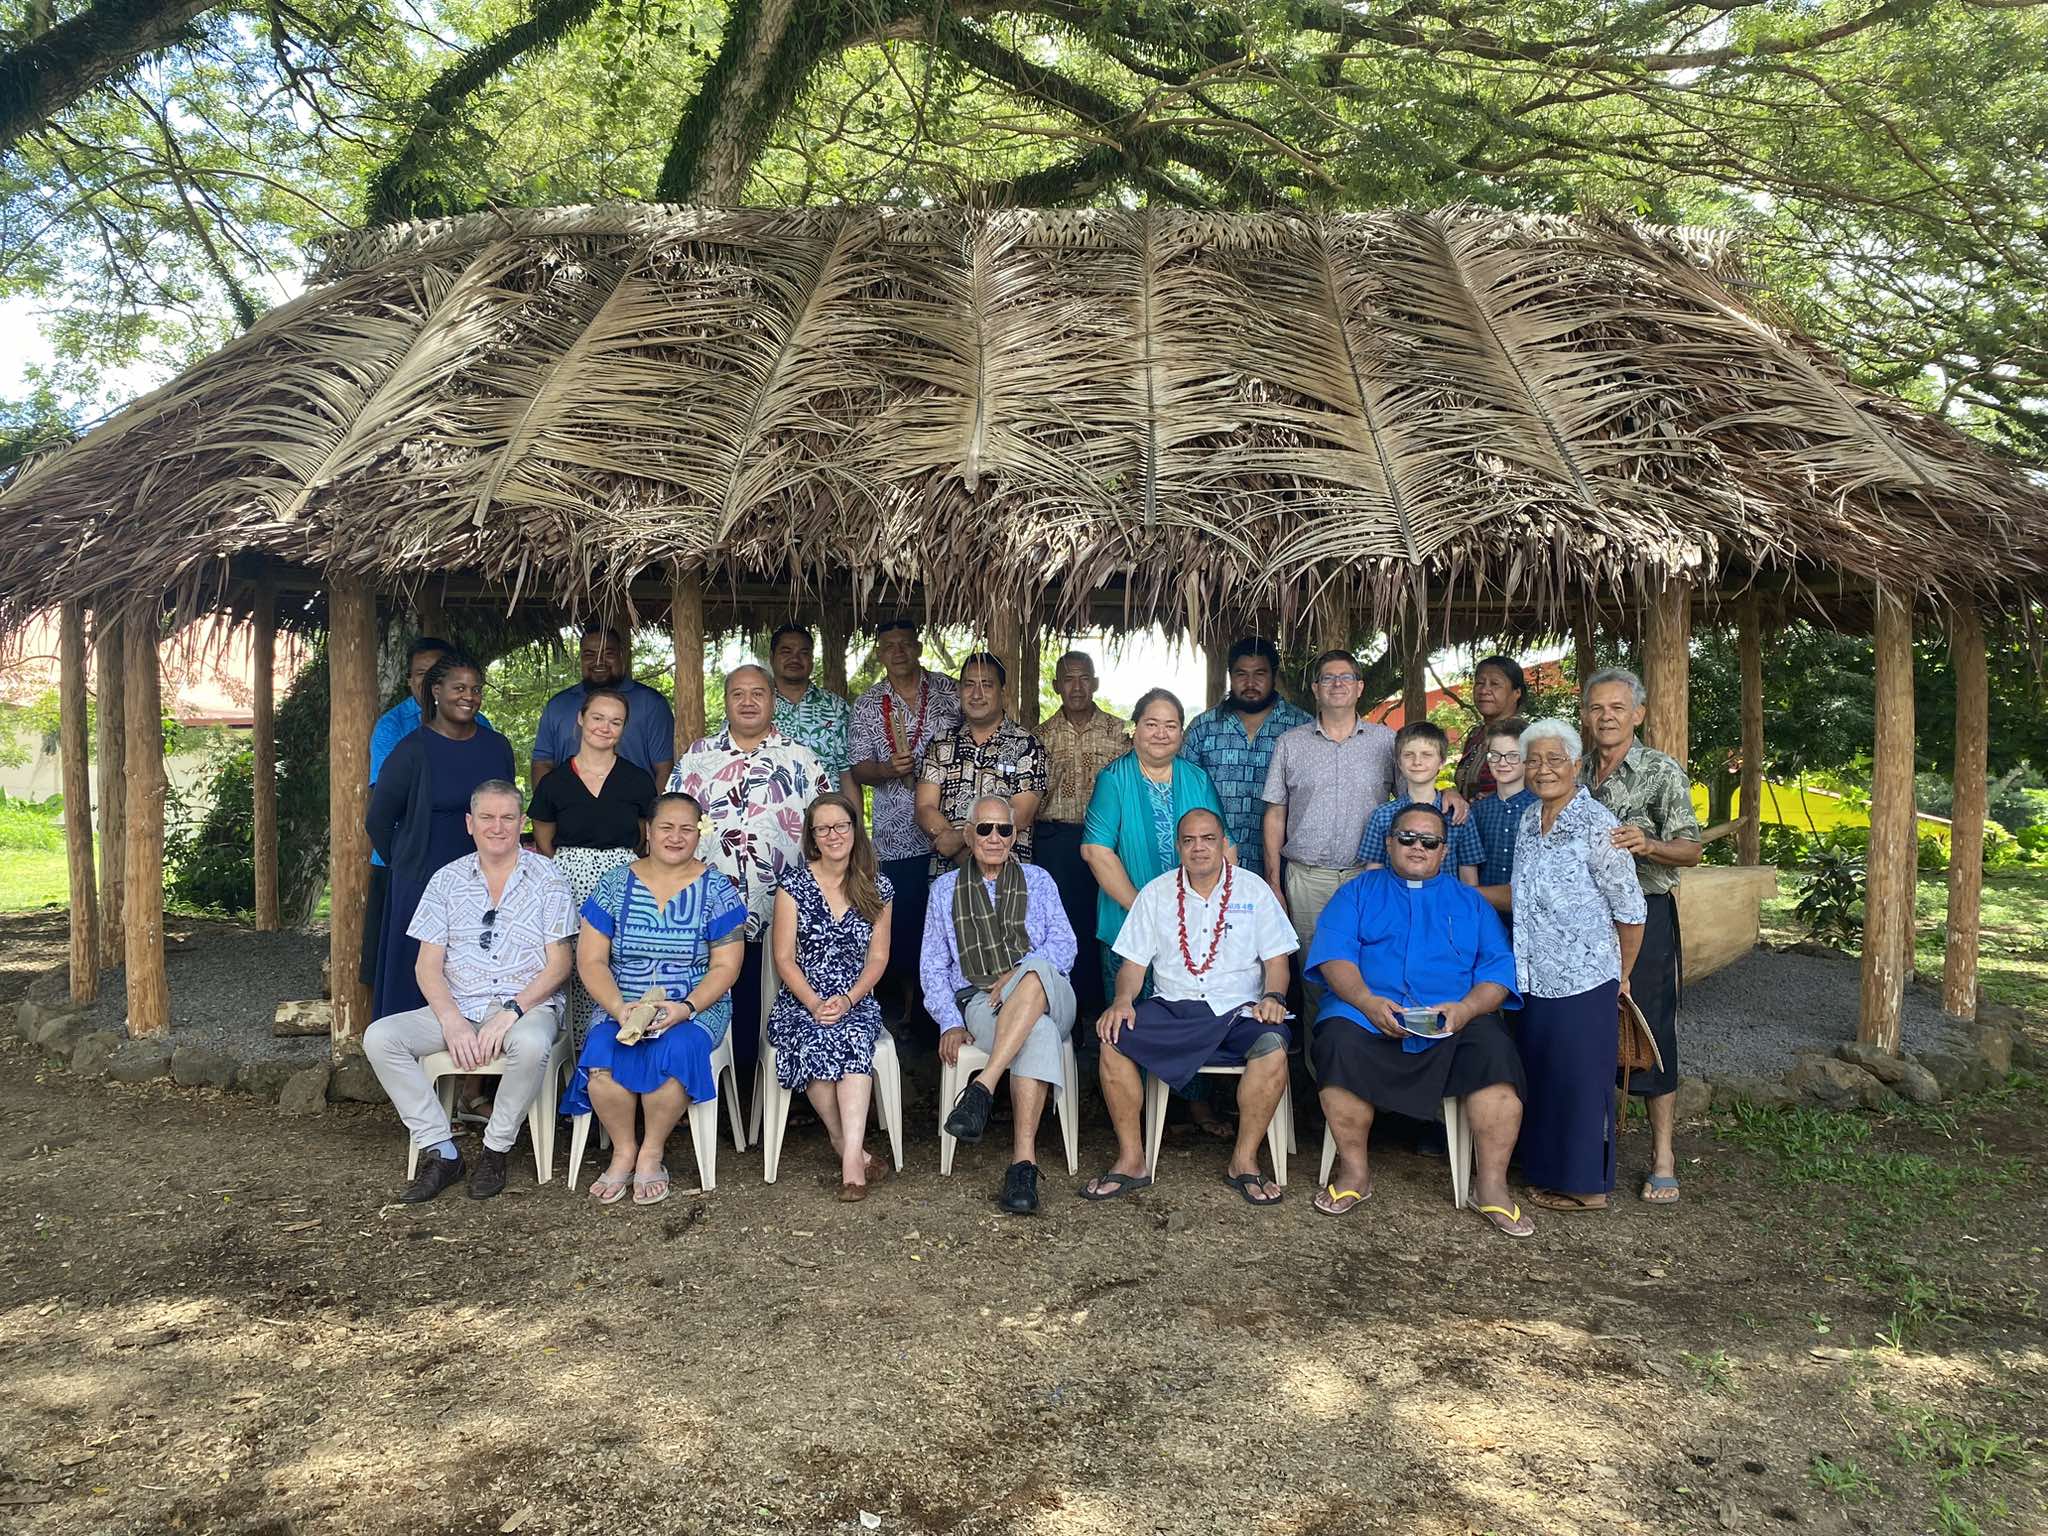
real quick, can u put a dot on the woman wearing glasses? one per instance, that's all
(590, 814)
(1498, 816)
(830, 942)
(418, 818)
(1579, 913)
(1497, 689)
(670, 925)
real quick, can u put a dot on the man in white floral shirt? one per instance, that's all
(754, 785)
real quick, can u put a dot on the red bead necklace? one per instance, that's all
(1180, 896)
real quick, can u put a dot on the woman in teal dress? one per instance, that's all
(668, 921)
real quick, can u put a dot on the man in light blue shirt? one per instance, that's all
(650, 739)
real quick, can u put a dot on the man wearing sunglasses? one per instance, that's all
(495, 930)
(997, 950)
(1416, 967)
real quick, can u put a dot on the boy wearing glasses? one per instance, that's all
(1421, 749)
(1498, 815)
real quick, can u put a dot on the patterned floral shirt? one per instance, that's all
(892, 804)
(532, 912)
(1649, 790)
(1009, 763)
(821, 721)
(755, 804)
(1236, 765)
(1074, 754)
(1571, 886)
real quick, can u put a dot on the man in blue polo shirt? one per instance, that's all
(650, 739)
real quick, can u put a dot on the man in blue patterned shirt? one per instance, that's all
(1233, 744)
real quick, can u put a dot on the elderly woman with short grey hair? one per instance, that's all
(1578, 922)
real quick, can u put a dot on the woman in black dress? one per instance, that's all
(590, 815)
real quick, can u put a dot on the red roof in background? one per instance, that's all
(1388, 711)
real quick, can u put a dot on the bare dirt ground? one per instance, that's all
(213, 1319)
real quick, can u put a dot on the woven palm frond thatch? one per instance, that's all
(1199, 411)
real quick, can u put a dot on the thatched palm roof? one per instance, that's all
(1202, 409)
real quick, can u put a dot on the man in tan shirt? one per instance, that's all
(1080, 741)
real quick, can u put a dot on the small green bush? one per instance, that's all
(31, 826)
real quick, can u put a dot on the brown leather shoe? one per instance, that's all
(489, 1178)
(850, 1194)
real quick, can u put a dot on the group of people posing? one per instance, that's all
(1206, 893)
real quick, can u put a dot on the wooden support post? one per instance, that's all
(112, 710)
(1749, 642)
(149, 988)
(1894, 850)
(72, 737)
(263, 745)
(1216, 653)
(1966, 825)
(1030, 642)
(686, 620)
(1414, 674)
(351, 716)
(1333, 621)
(1003, 637)
(429, 614)
(1585, 660)
(832, 641)
(1667, 668)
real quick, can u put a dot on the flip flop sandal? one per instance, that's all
(1558, 1200)
(1327, 1198)
(641, 1186)
(1246, 1184)
(1658, 1182)
(608, 1191)
(1122, 1184)
(1509, 1221)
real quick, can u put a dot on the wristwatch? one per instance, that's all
(511, 1006)
(1278, 997)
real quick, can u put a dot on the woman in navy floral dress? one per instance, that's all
(831, 945)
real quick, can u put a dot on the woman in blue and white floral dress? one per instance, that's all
(1579, 914)
(666, 922)
(831, 946)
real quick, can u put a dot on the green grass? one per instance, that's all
(1843, 1479)
(2012, 947)
(30, 879)
(1788, 805)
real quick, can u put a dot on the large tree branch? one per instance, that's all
(98, 45)
(402, 187)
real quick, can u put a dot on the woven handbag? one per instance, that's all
(1639, 1051)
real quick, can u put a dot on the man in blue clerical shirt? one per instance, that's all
(1417, 967)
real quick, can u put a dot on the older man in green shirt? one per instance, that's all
(1650, 794)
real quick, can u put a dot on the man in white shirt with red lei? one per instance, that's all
(1216, 941)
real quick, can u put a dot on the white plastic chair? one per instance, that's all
(1279, 1130)
(702, 1115)
(1458, 1142)
(771, 1104)
(1066, 1104)
(441, 1070)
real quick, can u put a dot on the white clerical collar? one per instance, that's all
(1415, 885)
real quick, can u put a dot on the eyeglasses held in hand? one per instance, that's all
(484, 939)
(1428, 840)
(995, 829)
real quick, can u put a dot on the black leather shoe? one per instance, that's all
(436, 1174)
(1020, 1189)
(970, 1113)
(489, 1178)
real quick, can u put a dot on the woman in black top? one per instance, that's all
(590, 814)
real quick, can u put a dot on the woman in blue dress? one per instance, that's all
(831, 945)
(668, 922)
(418, 818)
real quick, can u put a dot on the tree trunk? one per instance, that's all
(263, 745)
(1966, 825)
(1894, 854)
(1030, 646)
(149, 988)
(1667, 668)
(1750, 646)
(1720, 794)
(686, 622)
(832, 643)
(113, 804)
(99, 44)
(351, 716)
(763, 63)
(1584, 662)
(72, 736)
(1414, 675)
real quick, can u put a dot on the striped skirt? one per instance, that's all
(583, 868)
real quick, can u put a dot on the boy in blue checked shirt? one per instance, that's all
(1498, 816)
(1420, 751)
